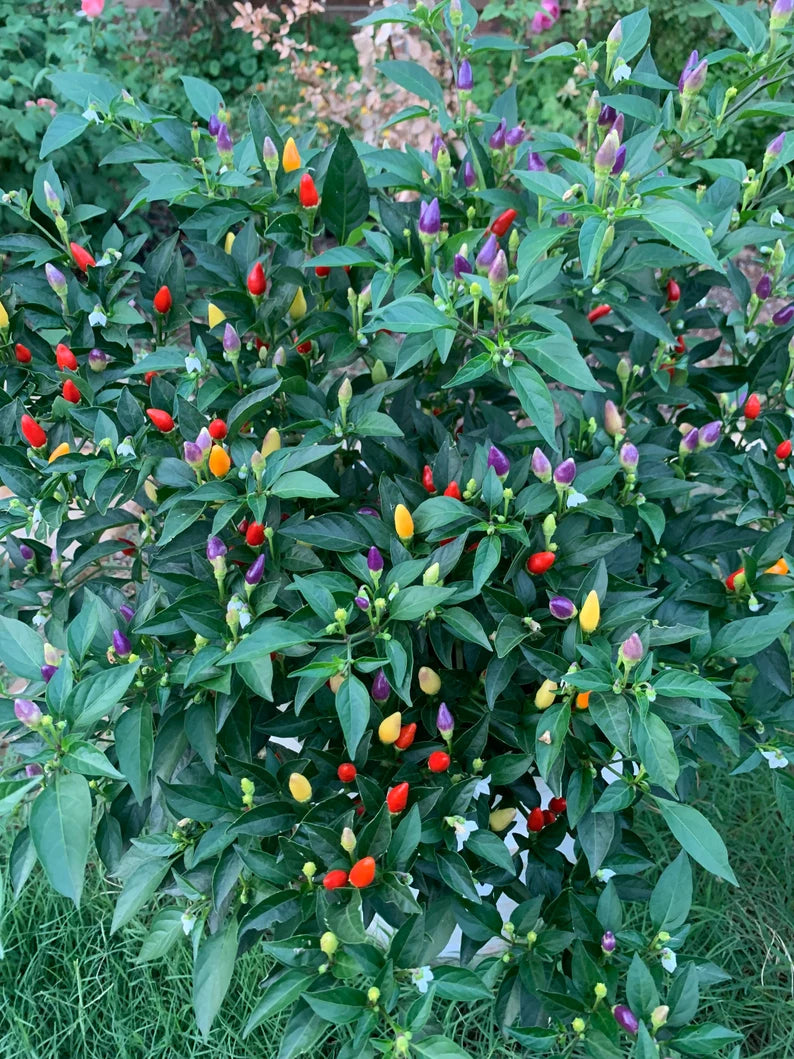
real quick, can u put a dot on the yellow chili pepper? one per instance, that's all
(62, 450)
(403, 523)
(583, 700)
(545, 695)
(389, 728)
(335, 682)
(590, 614)
(3, 318)
(501, 818)
(151, 490)
(297, 309)
(290, 159)
(228, 242)
(272, 442)
(780, 567)
(220, 461)
(214, 315)
(299, 787)
(429, 681)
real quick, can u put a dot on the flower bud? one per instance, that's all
(345, 393)
(26, 711)
(631, 650)
(270, 155)
(348, 840)
(56, 280)
(445, 722)
(309, 869)
(373, 994)
(53, 202)
(600, 990)
(694, 79)
(613, 420)
(606, 155)
(659, 1016)
(781, 13)
(97, 360)
(514, 136)
(431, 575)
(629, 457)
(541, 467)
(608, 942)
(461, 266)
(498, 273)
(565, 473)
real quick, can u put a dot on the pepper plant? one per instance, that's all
(388, 540)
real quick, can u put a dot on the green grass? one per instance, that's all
(68, 990)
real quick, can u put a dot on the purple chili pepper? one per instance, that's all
(369, 511)
(764, 287)
(487, 254)
(48, 672)
(216, 549)
(231, 340)
(254, 573)
(361, 602)
(535, 163)
(214, 125)
(608, 941)
(461, 265)
(607, 153)
(626, 1018)
(204, 440)
(565, 473)
(97, 360)
(56, 279)
(618, 125)
(445, 722)
(430, 218)
(27, 712)
(499, 462)
(121, 643)
(689, 65)
(620, 161)
(374, 560)
(695, 79)
(496, 140)
(33, 770)
(562, 608)
(515, 136)
(774, 147)
(194, 457)
(499, 271)
(709, 434)
(381, 688)
(606, 115)
(689, 442)
(784, 316)
(465, 77)
(564, 219)
(632, 648)
(26, 552)
(126, 611)
(225, 145)
(541, 467)
(628, 456)
(469, 176)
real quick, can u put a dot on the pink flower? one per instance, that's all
(545, 19)
(92, 8)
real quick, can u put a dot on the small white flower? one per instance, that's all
(752, 338)
(422, 977)
(621, 72)
(188, 922)
(777, 219)
(669, 961)
(604, 875)
(775, 758)
(193, 363)
(483, 786)
(462, 827)
(40, 618)
(91, 115)
(35, 519)
(575, 499)
(125, 447)
(759, 442)
(235, 603)
(97, 318)
(245, 617)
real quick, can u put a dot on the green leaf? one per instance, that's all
(535, 398)
(455, 873)
(656, 750)
(413, 314)
(706, 1039)
(212, 975)
(555, 721)
(134, 737)
(269, 637)
(681, 228)
(62, 130)
(137, 890)
(466, 626)
(490, 847)
(60, 826)
(745, 24)
(96, 695)
(353, 710)
(676, 683)
(280, 992)
(748, 636)
(165, 931)
(301, 484)
(486, 560)
(21, 649)
(558, 356)
(415, 602)
(671, 898)
(345, 200)
(460, 984)
(414, 78)
(89, 760)
(339, 1005)
(641, 993)
(438, 1047)
(205, 99)
(595, 834)
(698, 837)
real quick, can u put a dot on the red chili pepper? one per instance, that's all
(81, 257)
(680, 345)
(127, 551)
(149, 376)
(22, 353)
(397, 798)
(453, 490)
(163, 301)
(362, 873)
(427, 478)
(218, 429)
(673, 292)
(256, 282)
(307, 192)
(360, 810)
(64, 358)
(322, 271)
(558, 805)
(255, 534)
(669, 367)
(438, 761)
(752, 407)
(540, 562)
(162, 420)
(334, 879)
(502, 223)
(446, 540)
(347, 772)
(70, 392)
(32, 432)
(599, 312)
(535, 819)
(406, 736)
(304, 347)
(548, 817)
(783, 451)
(242, 526)
(730, 580)
(346, 268)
